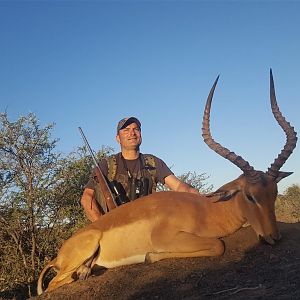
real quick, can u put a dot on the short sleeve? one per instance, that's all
(162, 170)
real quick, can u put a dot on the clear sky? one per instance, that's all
(90, 63)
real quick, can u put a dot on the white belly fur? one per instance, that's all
(121, 262)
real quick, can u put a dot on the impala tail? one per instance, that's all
(47, 268)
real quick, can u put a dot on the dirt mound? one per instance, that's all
(247, 270)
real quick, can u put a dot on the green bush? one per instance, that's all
(288, 205)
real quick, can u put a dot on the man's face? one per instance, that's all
(130, 137)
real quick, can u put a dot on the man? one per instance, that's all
(132, 173)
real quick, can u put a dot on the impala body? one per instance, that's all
(176, 224)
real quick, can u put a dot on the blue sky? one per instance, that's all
(90, 63)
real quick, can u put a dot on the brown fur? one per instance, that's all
(164, 225)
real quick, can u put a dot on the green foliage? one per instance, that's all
(39, 198)
(195, 180)
(28, 169)
(288, 204)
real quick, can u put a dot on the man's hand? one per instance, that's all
(89, 205)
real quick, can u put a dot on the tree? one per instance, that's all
(73, 176)
(39, 198)
(28, 171)
(288, 204)
(195, 180)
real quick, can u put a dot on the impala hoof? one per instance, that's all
(268, 239)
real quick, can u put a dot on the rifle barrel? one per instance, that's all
(88, 146)
(110, 201)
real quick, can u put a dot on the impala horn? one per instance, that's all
(291, 137)
(251, 174)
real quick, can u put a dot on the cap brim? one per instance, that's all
(129, 121)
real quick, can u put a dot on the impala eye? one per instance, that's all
(250, 198)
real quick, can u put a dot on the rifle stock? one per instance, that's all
(105, 190)
(107, 194)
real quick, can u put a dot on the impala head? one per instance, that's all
(254, 191)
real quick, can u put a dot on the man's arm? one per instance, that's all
(90, 205)
(175, 184)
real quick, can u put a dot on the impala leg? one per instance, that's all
(64, 276)
(85, 270)
(184, 244)
(75, 258)
(59, 280)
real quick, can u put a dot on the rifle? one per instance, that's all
(108, 196)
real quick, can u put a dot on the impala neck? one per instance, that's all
(230, 216)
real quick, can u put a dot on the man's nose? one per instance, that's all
(131, 132)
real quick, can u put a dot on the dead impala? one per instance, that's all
(175, 224)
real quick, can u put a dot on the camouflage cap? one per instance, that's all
(127, 121)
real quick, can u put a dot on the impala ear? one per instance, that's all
(282, 175)
(223, 195)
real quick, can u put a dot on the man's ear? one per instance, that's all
(118, 138)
